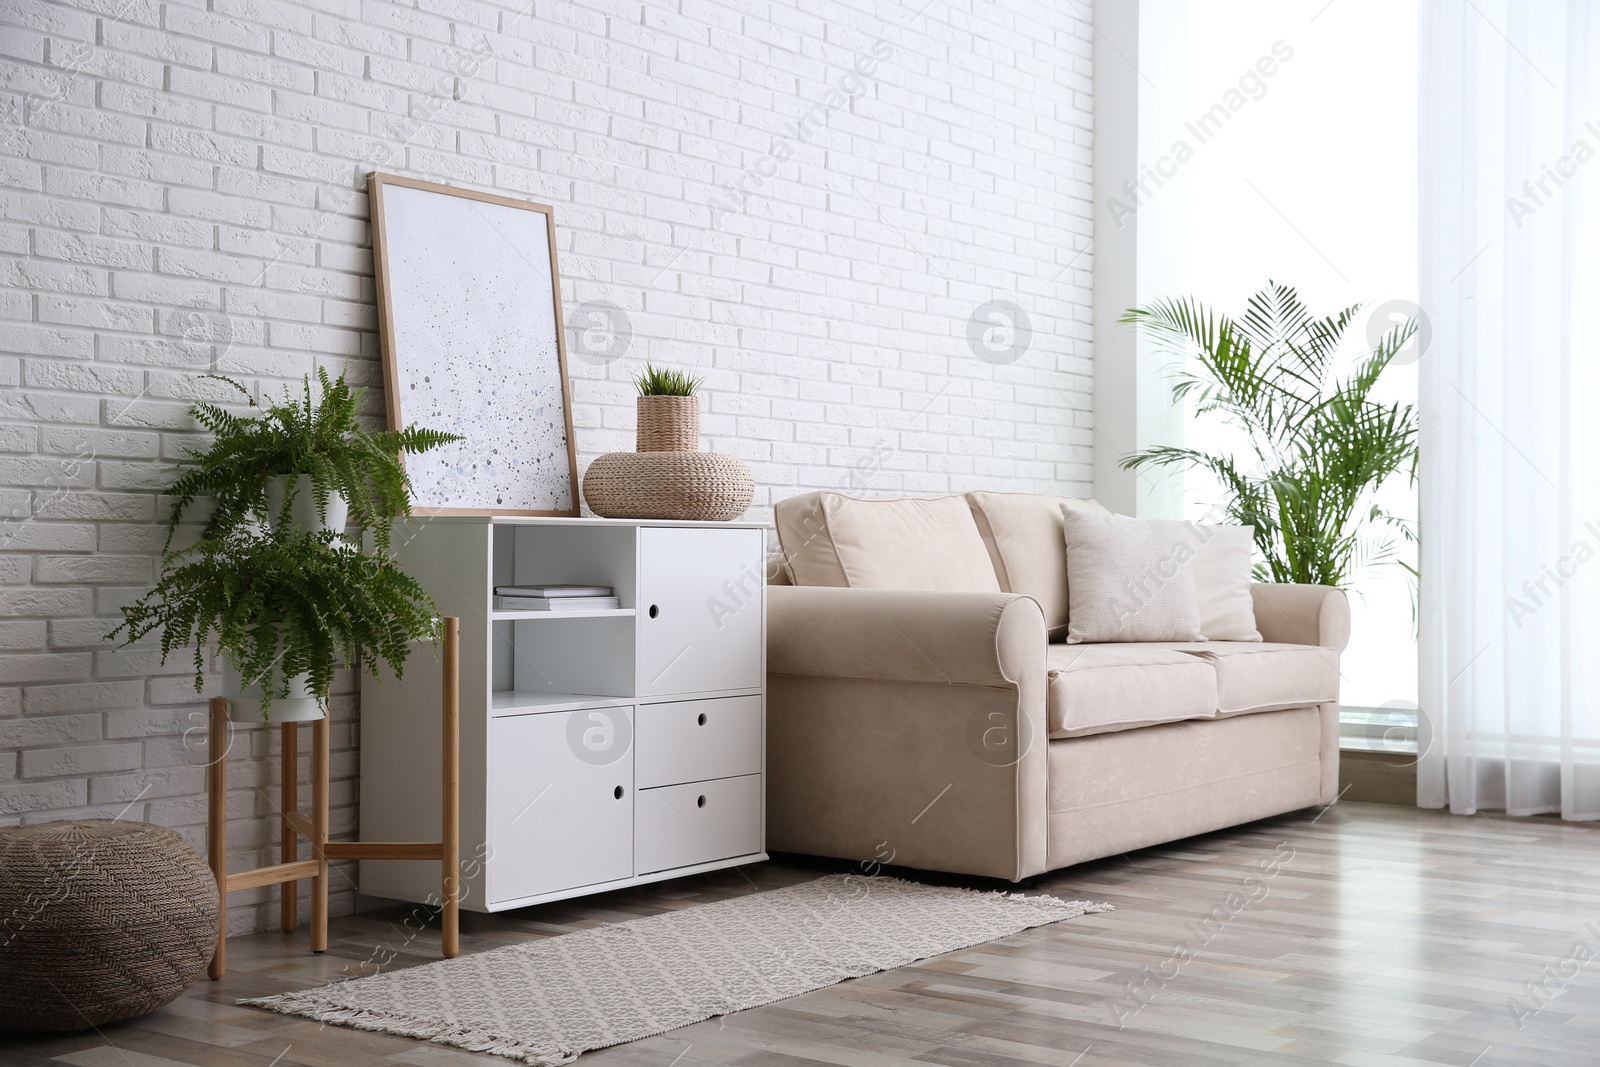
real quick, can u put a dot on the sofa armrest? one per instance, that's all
(1302, 614)
(908, 727)
(902, 635)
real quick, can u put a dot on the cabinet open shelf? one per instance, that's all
(508, 701)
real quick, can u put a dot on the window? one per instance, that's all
(1301, 121)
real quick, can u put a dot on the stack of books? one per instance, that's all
(554, 597)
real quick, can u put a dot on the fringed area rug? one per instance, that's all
(546, 1001)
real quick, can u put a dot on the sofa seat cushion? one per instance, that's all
(1267, 676)
(1097, 689)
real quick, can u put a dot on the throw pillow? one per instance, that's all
(1222, 583)
(1129, 579)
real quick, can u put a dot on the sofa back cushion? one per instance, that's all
(807, 546)
(1024, 536)
(929, 543)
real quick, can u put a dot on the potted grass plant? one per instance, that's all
(668, 411)
(276, 578)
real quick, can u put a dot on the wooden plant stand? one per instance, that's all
(314, 827)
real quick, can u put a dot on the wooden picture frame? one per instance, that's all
(470, 346)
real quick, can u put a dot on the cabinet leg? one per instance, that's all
(217, 824)
(289, 800)
(319, 833)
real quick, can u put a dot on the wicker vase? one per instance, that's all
(668, 424)
(668, 477)
(104, 920)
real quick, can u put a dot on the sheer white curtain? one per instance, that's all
(1510, 395)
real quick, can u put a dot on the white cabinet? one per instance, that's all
(599, 749)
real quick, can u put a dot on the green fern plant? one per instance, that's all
(657, 382)
(284, 603)
(280, 601)
(319, 436)
(1320, 445)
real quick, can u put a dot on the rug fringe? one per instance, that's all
(387, 1022)
(1077, 907)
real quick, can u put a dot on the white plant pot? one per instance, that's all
(303, 512)
(244, 701)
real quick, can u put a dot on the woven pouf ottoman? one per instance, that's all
(701, 486)
(99, 921)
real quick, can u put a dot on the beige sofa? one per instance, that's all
(942, 728)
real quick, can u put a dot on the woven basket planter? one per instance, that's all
(99, 920)
(668, 424)
(703, 486)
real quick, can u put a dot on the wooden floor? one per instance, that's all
(1363, 935)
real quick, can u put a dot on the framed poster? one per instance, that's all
(469, 314)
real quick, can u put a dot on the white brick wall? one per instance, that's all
(803, 201)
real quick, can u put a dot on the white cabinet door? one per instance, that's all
(700, 604)
(560, 801)
(699, 822)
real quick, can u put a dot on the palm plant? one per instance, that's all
(1320, 445)
(318, 436)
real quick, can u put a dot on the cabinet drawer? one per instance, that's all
(678, 825)
(693, 740)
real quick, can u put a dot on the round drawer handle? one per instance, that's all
(654, 611)
(617, 792)
(700, 803)
(702, 718)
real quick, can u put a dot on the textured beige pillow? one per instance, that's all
(1129, 579)
(1023, 534)
(1222, 582)
(928, 543)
